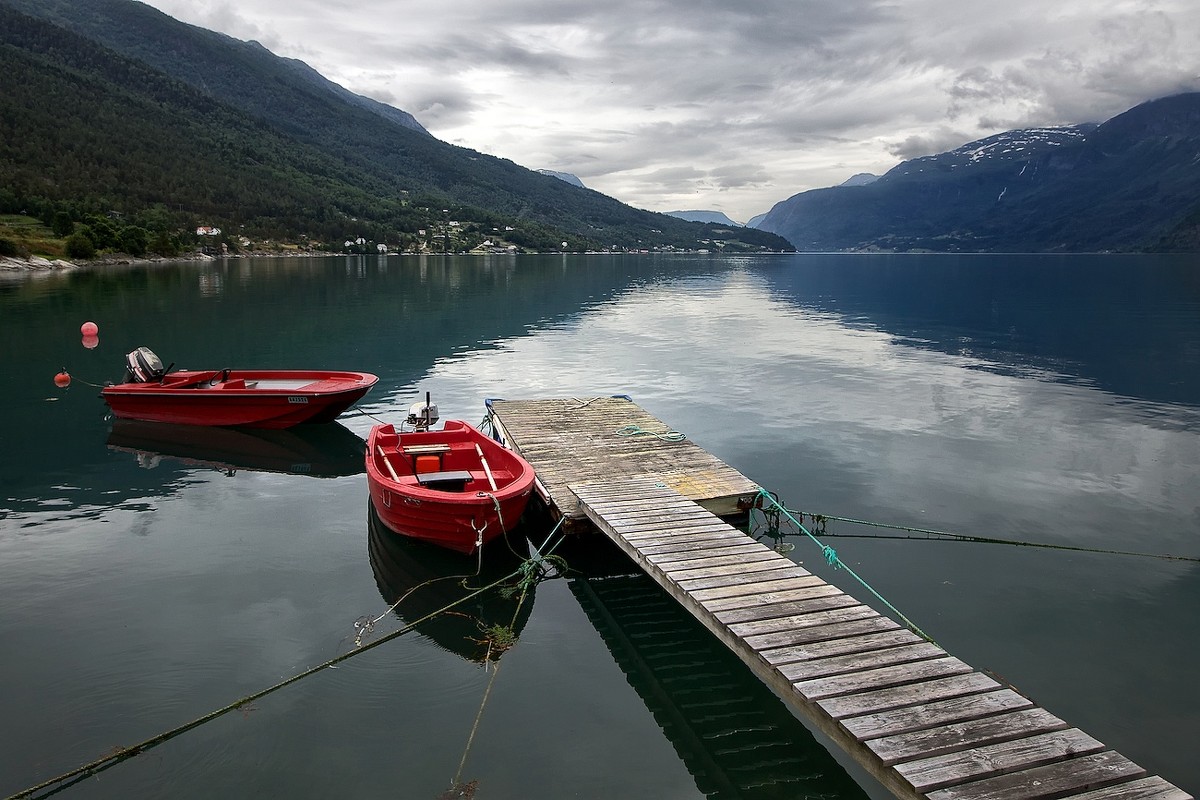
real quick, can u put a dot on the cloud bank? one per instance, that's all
(733, 107)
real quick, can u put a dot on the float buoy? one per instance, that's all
(62, 379)
(90, 342)
(89, 329)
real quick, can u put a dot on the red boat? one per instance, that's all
(245, 397)
(454, 487)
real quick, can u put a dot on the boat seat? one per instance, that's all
(448, 481)
(422, 449)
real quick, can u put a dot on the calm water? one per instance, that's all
(147, 578)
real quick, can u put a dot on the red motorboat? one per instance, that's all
(454, 487)
(245, 397)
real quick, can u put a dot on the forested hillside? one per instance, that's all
(212, 131)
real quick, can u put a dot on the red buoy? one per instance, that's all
(90, 342)
(62, 379)
(89, 329)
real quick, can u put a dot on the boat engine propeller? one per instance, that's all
(422, 415)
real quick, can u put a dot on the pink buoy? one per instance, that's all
(62, 379)
(89, 329)
(90, 342)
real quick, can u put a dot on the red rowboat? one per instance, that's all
(245, 397)
(454, 487)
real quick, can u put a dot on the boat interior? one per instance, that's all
(453, 466)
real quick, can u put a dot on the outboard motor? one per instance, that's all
(142, 366)
(422, 415)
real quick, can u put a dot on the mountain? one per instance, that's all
(860, 179)
(129, 108)
(1131, 183)
(714, 217)
(563, 176)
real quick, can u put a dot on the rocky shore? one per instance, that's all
(37, 264)
(34, 264)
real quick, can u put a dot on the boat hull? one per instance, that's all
(462, 518)
(240, 398)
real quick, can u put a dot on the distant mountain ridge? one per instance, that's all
(1131, 183)
(860, 179)
(566, 177)
(713, 217)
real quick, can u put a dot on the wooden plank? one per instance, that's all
(770, 611)
(1002, 758)
(771, 596)
(676, 562)
(928, 715)
(970, 733)
(693, 585)
(657, 517)
(701, 549)
(819, 633)
(881, 678)
(769, 561)
(1151, 788)
(779, 656)
(653, 542)
(673, 564)
(913, 694)
(788, 579)
(657, 539)
(837, 665)
(1052, 781)
(709, 543)
(800, 621)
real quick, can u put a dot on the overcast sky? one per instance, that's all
(731, 105)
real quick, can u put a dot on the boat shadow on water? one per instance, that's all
(421, 580)
(330, 450)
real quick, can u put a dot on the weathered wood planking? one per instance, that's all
(576, 440)
(923, 722)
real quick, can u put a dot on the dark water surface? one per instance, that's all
(149, 577)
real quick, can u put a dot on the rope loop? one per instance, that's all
(669, 435)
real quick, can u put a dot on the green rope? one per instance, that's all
(533, 570)
(820, 519)
(636, 430)
(832, 557)
(101, 764)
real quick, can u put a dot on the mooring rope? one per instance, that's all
(637, 430)
(533, 570)
(832, 557)
(462, 762)
(525, 573)
(819, 521)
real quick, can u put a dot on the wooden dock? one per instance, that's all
(924, 723)
(596, 438)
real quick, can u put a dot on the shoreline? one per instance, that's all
(39, 265)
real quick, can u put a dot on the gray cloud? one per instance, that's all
(710, 104)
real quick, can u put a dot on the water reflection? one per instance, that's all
(735, 736)
(1073, 318)
(321, 451)
(420, 579)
